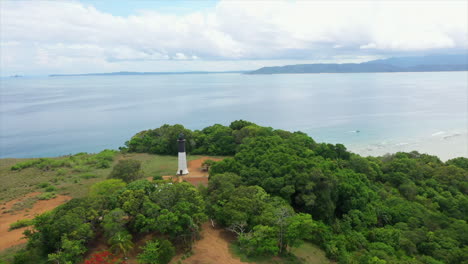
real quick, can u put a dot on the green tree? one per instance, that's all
(300, 227)
(239, 124)
(261, 241)
(159, 251)
(121, 242)
(127, 170)
(105, 189)
(161, 140)
(114, 222)
(70, 252)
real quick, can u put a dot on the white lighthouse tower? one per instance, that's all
(182, 169)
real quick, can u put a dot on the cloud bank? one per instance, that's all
(38, 37)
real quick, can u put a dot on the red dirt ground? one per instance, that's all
(15, 237)
(195, 167)
(213, 248)
(196, 174)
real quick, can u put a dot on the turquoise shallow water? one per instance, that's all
(51, 116)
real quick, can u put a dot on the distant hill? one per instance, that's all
(457, 59)
(142, 73)
(401, 64)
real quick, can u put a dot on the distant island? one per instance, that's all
(432, 63)
(143, 73)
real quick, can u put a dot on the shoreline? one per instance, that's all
(445, 145)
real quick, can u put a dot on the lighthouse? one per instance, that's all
(182, 169)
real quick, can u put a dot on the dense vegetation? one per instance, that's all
(117, 211)
(406, 207)
(278, 189)
(375, 210)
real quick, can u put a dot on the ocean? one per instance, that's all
(370, 113)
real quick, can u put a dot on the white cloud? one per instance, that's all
(59, 36)
(368, 46)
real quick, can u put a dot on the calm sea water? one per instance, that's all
(53, 116)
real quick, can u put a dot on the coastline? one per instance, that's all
(443, 144)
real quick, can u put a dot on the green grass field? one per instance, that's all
(310, 253)
(307, 253)
(74, 182)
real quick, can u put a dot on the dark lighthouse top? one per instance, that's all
(181, 142)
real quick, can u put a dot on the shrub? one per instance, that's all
(43, 185)
(88, 176)
(20, 223)
(61, 172)
(51, 188)
(102, 160)
(103, 257)
(105, 189)
(46, 196)
(157, 178)
(81, 168)
(127, 170)
(25, 164)
(207, 164)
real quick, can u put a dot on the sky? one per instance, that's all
(57, 37)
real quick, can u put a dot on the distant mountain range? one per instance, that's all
(430, 63)
(143, 73)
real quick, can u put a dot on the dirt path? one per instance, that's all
(195, 167)
(213, 248)
(196, 174)
(15, 237)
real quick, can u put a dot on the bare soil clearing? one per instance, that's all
(15, 237)
(195, 167)
(212, 248)
(196, 174)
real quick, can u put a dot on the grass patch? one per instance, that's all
(88, 176)
(67, 180)
(310, 253)
(43, 185)
(17, 183)
(235, 250)
(27, 203)
(7, 255)
(47, 196)
(51, 188)
(20, 224)
(157, 165)
(306, 253)
(78, 161)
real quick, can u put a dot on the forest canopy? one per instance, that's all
(404, 207)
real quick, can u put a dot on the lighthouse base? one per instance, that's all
(182, 168)
(182, 172)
